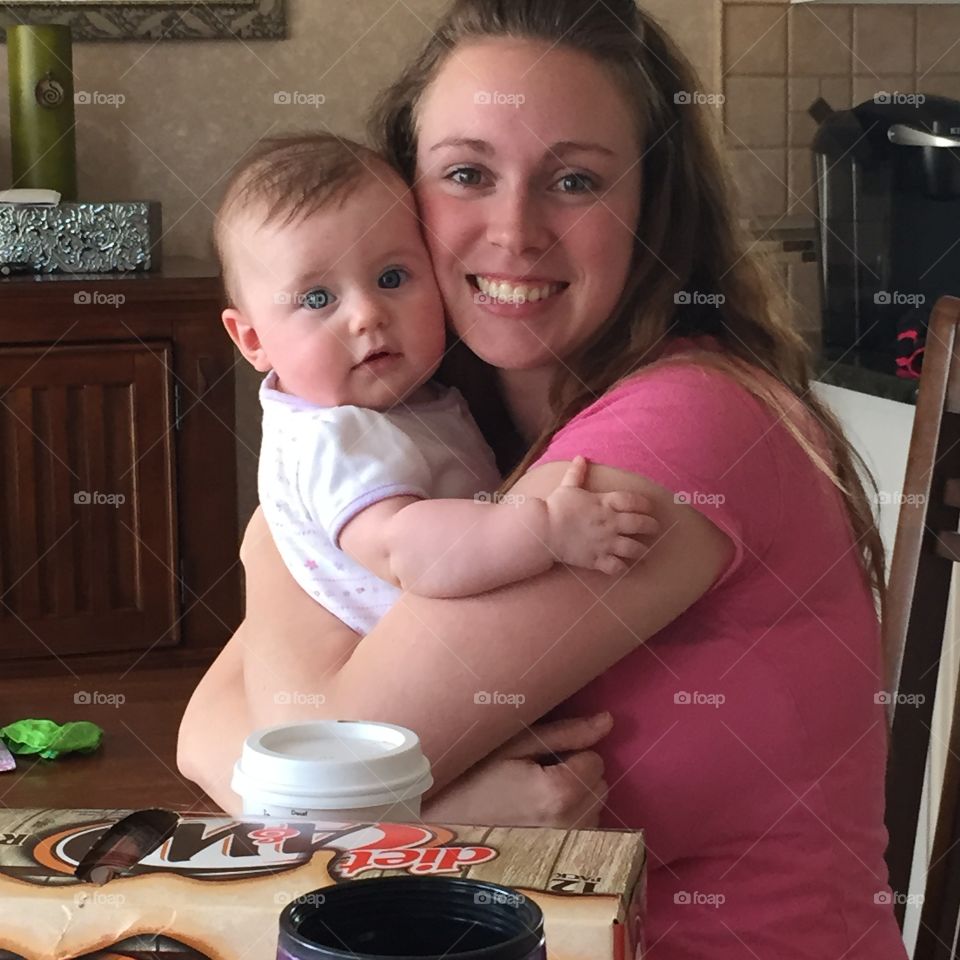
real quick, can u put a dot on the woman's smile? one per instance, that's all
(516, 298)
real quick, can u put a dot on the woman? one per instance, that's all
(548, 142)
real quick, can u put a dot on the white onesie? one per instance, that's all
(321, 466)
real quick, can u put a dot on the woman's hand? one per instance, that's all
(529, 782)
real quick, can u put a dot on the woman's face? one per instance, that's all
(528, 182)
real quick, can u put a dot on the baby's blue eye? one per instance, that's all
(392, 278)
(318, 299)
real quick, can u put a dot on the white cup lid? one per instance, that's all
(334, 764)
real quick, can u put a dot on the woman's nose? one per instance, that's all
(517, 224)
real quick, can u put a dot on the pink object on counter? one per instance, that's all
(6, 759)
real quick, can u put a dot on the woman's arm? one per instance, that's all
(215, 724)
(217, 719)
(439, 666)
(511, 786)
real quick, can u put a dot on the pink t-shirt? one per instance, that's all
(748, 741)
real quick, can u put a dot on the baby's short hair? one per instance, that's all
(290, 178)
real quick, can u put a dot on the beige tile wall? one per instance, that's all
(778, 58)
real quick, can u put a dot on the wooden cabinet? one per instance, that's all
(118, 528)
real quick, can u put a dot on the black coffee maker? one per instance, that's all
(887, 174)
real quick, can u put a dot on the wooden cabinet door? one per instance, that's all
(88, 556)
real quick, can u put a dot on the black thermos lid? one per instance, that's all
(412, 918)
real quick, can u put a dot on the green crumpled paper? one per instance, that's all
(50, 739)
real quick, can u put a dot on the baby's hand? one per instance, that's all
(595, 530)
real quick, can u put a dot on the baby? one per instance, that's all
(368, 469)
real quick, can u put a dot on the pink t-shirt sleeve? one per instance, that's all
(697, 433)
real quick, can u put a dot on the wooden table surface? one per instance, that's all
(135, 765)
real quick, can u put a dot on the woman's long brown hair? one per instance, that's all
(688, 239)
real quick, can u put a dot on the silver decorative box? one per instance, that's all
(79, 237)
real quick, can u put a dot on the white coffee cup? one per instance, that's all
(333, 770)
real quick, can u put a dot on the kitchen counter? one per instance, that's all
(889, 386)
(839, 368)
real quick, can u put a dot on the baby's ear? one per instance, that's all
(243, 334)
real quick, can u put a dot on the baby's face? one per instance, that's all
(326, 293)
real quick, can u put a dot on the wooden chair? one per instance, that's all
(927, 547)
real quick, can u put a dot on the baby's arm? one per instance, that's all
(456, 548)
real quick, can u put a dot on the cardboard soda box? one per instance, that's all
(215, 887)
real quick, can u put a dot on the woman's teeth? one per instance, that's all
(521, 293)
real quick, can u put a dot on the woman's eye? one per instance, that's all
(586, 183)
(318, 299)
(461, 175)
(392, 278)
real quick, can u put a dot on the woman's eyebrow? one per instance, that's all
(558, 149)
(562, 147)
(481, 146)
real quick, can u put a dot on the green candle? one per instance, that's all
(43, 145)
